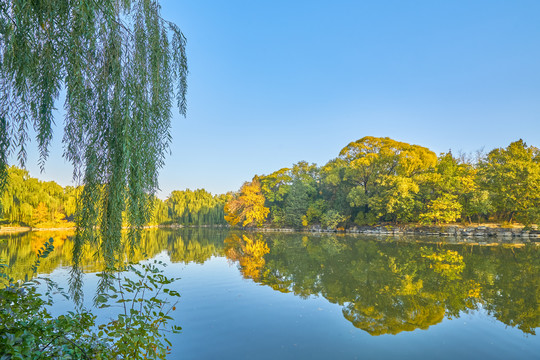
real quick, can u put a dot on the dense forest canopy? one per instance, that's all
(380, 180)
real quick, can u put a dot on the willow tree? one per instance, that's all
(122, 67)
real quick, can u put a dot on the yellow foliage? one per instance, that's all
(385, 156)
(249, 253)
(448, 263)
(247, 207)
(409, 287)
(474, 290)
(41, 213)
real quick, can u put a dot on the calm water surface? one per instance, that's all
(295, 296)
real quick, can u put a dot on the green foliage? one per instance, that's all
(277, 216)
(406, 285)
(478, 204)
(377, 180)
(28, 330)
(122, 66)
(296, 204)
(314, 213)
(275, 186)
(512, 177)
(288, 193)
(331, 219)
(366, 219)
(395, 200)
(182, 245)
(197, 207)
(450, 191)
(444, 209)
(137, 333)
(383, 175)
(29, 201)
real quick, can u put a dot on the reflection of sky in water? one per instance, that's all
(225, 314)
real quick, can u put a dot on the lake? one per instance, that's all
(248, 295)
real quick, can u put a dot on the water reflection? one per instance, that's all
(383, 287)
(386, 287)
(188, 245)
(249, 251)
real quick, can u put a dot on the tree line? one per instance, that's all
(28, 201)
(372, 181)
(380, 180)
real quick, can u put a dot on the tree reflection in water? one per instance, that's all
(383, 286)
(386, 287)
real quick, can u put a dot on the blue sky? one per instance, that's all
(275, 82)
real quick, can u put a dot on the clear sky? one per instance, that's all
(275, 82)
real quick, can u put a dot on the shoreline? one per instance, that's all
(456, 231)
(5, 230)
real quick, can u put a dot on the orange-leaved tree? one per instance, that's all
(247, 206)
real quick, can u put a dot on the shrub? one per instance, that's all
(29, 331)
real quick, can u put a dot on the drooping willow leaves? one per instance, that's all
(122, 67)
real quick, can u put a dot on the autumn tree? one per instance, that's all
(449, 190)
(381, 173)
(247, 207)
(40, 214)
(379, 179)
(249, 254)
(444, 209)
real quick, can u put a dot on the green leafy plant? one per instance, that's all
(138, 331)
(29, 331)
